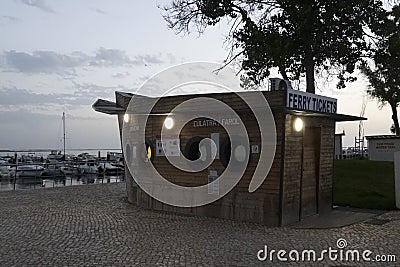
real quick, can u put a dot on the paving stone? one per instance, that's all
(94, 225)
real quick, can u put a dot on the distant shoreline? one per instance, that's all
(47, 150)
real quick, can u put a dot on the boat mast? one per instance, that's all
(63, 119)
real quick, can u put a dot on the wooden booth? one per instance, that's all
(299, 183)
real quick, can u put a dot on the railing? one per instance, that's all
(12, 177)
(352, 152)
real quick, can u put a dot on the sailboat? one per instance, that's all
(56, 156)
(64, 135)
(57, 164)
(68, 168)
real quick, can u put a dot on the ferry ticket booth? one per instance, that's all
(299, 182)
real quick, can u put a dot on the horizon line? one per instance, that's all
(46, 150)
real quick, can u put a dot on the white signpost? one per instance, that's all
(397, 177)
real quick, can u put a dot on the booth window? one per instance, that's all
(148, 153)
(192, 150)
(225, 152)
(128, 153)
(240, 152)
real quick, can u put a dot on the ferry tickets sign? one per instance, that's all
(310, 102)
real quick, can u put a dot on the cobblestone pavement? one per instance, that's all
(94, 226)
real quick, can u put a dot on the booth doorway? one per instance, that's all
(310, 172)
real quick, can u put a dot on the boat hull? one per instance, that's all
(27, 171)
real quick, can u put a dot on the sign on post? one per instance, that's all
(397, 178)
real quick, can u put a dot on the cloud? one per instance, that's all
(171, 58)
(9, 19)
(120, 75)
(147, 59)
(93, 91)
(42, 61)
(100, 11)
(40, 4)
(12, 96)
(82, 95)
(110, 57)
(52, 62)
(115, 57)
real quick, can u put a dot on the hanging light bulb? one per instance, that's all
(169, 123)
(298, 124)
(149, 152)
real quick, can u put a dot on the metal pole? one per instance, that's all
(64, 133)
(16, 168)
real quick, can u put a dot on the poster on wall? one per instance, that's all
(255, 149)
(169, 147)
(215, 149)
(213, 183)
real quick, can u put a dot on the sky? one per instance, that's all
(60, 56)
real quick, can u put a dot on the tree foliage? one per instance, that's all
(300, 38)
(384, 72)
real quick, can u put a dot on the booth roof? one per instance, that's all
(111, 108)
(108, 107)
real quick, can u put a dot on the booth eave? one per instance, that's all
(107, 107)
(336, 117)
(377, 137)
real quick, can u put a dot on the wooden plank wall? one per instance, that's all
(262, 206)
(294, 167)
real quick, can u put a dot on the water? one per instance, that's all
(45, 152)
(7, 184)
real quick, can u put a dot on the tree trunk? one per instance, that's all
(283, 73)
(395, 118)
(310, 68)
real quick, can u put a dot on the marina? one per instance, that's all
(44, 169)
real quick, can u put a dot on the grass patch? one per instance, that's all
(364, 184)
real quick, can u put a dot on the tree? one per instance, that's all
(383, 73)
(392, 129)
(300, 38)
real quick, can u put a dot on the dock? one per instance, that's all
(94, 225)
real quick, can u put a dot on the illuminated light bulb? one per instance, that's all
(149, 152)
(298, 124)
(126, 118)
(169, 123)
